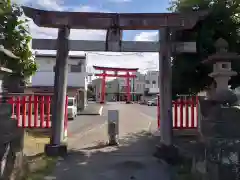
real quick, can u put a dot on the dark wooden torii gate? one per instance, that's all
(104, 74)
(114, 23)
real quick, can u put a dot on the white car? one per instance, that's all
(152, 102)
(72, 108)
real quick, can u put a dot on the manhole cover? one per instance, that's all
(130, 165)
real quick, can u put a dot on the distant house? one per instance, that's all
(151, 83)
(43, 80)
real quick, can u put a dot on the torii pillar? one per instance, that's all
(103, 87)
(128, 89)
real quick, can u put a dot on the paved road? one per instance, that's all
(90, 159)
(85, 123)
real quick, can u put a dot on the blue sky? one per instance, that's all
(123, 6)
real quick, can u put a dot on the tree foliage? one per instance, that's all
(15, 36)
(189, 75)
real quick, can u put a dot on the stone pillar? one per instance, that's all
(166, 150)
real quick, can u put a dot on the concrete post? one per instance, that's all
(57, 146)
(113, 127)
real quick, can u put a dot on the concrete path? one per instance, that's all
(90, 159)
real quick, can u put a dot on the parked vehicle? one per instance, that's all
(72, 108)
(152, 102)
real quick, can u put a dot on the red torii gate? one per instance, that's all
(115, 70)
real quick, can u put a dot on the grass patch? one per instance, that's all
(34, 144)
(183, 171)
(40, 167)
(38, 164)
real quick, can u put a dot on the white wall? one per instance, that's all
(139, 83)
(47, 79)
(45, 73)
(152, 81)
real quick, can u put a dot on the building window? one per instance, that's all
(75, 68)
(147, 82)
(153, 82)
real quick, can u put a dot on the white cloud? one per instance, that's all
(45, 4)
(50, 4)
(143, 61)
(51, 33)
(147, 36)
(58, 5)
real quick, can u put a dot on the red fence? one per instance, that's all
(33, 111)
(185, 113)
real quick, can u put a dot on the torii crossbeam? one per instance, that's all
(114, 23)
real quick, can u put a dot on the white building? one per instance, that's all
(151, 82)
(43, 79)
(138, 83)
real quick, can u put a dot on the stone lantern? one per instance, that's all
(219, 123)
(221, 61)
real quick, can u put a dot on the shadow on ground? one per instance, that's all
(131, 160)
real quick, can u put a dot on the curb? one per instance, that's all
(99, 113)
(100, 110)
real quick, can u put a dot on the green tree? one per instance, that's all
(189, 75)
(15, 36)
